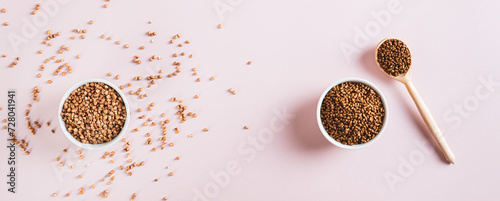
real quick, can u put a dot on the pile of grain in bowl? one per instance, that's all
(94, 113)
(352, 113)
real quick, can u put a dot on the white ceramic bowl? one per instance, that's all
(93, 146)
(331, 139)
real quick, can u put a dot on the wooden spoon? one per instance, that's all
(405, 78)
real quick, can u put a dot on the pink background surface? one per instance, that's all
(296, 52)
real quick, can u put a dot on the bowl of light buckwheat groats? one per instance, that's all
(94, 114)
(352, 113)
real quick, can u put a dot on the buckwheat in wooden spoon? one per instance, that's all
(394, 58)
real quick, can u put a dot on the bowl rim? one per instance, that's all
(93, 146)
(320, 102)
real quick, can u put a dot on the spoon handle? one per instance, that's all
(429, 121)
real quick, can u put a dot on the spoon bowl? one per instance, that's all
(403, 77)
